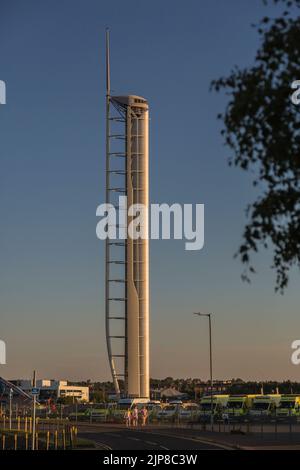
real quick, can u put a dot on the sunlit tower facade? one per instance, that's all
(127, 259)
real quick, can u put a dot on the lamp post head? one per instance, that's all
(202, 314)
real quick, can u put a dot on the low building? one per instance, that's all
(78, 392)
(219, 387)
(55, 389)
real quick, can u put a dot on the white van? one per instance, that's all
(170, 411)
(188, 411)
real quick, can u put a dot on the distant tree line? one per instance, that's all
(100, 391)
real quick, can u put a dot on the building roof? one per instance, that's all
(171, 393)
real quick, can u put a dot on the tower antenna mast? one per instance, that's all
(107, 242)
(107, 64)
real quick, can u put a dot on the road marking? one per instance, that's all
(192, 438)
(151, 443)
(163, 447)
(102, 446)
(134, 438)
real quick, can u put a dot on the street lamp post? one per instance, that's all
(34, 411)
(10, 407)
(208, 315)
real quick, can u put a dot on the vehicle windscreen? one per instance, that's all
(206, 406)
(170, 408)
(287, 404)
(123, 407)
(261, 406)
(234, 404)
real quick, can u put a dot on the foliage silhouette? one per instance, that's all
(262, 129)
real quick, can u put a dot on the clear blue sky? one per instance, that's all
(52, 179)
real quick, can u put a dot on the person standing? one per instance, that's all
(144, 414)
(128, 418)
(135, 416)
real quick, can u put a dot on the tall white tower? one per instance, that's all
(127, 261)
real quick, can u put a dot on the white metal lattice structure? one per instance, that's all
(127, 261)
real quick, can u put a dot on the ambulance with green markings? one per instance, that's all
(215, 404)
(264, 407)
(237, 407)
(289, 407)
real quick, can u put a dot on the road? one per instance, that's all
(120, 438)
